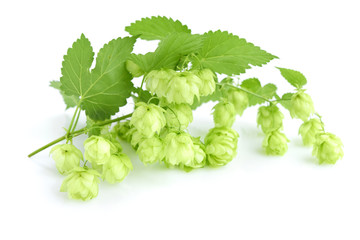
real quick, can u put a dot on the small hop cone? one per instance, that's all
(116, 168)
(136, 139)
(220, 146)
(123, 130)
(178, 116)
(270, 118)
(199, 159)
(81, 183)
(309, 129)
(66, 157)
(157, 81)
(301, 106)
(178, 149)
(275, 143)
(148, 119)
(151, 150)
(98, 149)
(239, 99)
(224, 114)
(183, 88)
(328, 148)
(208, 83)
(133, 68)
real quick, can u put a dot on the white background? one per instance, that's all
(253, 197)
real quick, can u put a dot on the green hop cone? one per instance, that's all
(328, 148)
(151, 150)
(116, 168)
(183, 87)
(224, 114)
(66, 157)
(301, 106)
(199, 159)
(239, 99)
(123, 130)
(309, 129)
(275, 143)
(157, 81)
(98, 149)
(208, 83)
(81, 183)
(148, 119)
(178, 149)
(136, 138)
(133, 68)
(221, 145)
(178, 116)
(270, 118)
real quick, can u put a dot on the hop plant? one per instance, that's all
(270, 118)
(180, 75)
(328, 148)
(116, 168)
(224, 114)
(81, 183)
(148, 119)
(275, 143)
(98, 149)
(309, 129)
(178, 149)
(151, 150)
(183, 87)
(301, 106)
(157, 81)
(66, 157)
(239, 99)
(220, 146)
(178, 116)
(208, 83)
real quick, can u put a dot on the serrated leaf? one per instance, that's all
(156, 28)
(285, 100)
(169, 52)
(145, 62)
(253, 85)
(108, 85)
(295, 78)
(226, 53)
(70, 101)
(92, 128)
(144, 96)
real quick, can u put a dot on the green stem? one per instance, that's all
(72, 122)
(77, 133)
(76, 121)
(249, 92)
(256, 95)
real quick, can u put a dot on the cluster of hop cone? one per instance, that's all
(158, 132)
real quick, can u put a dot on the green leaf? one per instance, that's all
(169, 52)
(92, 128)
(70, 101)
(223, 52)
(108, 85)
(145, 62)
(253, 85)
(285, 100)
(144, 96)
(156, 28)
(295, 78)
